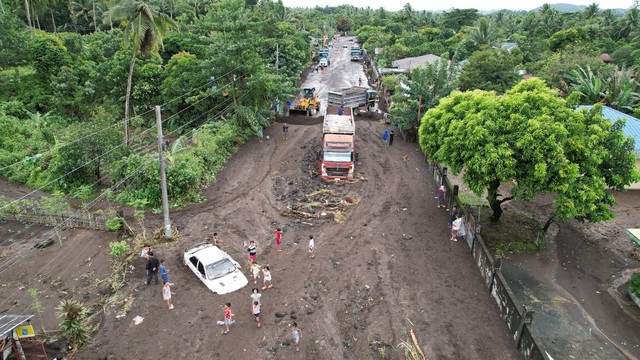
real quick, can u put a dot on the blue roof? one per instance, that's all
(631, 128)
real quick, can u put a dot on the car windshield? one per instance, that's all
(337, 156)
(220, 268)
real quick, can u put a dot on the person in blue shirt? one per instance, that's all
(341, 110)
(164, 272)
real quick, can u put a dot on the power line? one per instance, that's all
(93, 202)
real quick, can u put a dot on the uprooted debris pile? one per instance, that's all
(320, 204)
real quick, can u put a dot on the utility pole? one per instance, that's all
(277, 57)
(163, 176)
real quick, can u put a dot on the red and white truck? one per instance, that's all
(337, 156)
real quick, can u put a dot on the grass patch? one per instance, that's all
(633, 286)
(472, 200)
(515, 233)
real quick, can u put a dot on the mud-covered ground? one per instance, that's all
(386, 268)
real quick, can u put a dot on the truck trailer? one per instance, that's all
(337, 156)
(359, 98)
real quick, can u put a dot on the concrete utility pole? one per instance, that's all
(163, 176)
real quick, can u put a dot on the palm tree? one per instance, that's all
(28, 13)
(591, 11)
(87, 10)
(144, 30)
(630, 22)
(483, 34)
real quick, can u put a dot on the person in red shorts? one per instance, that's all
(279, 238)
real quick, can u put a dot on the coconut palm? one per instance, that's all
(484, 33)
(629, 22)
(145, 27)
(591, 11)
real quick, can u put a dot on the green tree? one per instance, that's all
(493, 70)
(457, 18)
(533, 138)
(484, 34)
(427, 86)
(146, 26)
(48, 55)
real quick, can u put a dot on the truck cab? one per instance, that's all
(337, 156)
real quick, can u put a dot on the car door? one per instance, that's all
(197, 266)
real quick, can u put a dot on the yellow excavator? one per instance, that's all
(307, 102)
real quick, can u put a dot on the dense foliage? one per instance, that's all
(70, 68)
(73, 71)
(532, 137)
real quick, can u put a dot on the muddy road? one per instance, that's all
(388, 267)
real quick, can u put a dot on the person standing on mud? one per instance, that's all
(255, 270)
(297, 334)
(228, 314)
(152, 268)
(216, 239)
(391, 135)
(441, 191)
(266, 281)
(285, 130)
(253, 251)
(166, 294)
(256, 311)
(164, 272)
(456, 227)
(279, 238)
(312, 246)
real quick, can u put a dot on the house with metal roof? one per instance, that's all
(409, 64)
(631, 129)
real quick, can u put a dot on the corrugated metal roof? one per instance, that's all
(10, 322)
(631, 128)
(413, 62)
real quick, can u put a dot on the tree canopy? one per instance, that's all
(532, 139)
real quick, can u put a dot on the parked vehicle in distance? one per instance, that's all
(215, 268)
(323, 63)
(345, 46)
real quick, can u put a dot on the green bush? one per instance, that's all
(119, 248)
(633, 286)
(114, 224)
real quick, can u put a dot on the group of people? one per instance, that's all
(155, 266)
(456, 222)
(258, 271)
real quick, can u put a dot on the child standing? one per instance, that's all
(267, 278)
(164, 272)
(256, 311)
(312, 246)
(253, 250)
(255, 295)
(166, 294)
(228, 314)
(455, 227)
(278, 238)
(216, 239)
(255, 270)
(297, 334)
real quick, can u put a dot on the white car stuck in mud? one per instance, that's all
(215, 268)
